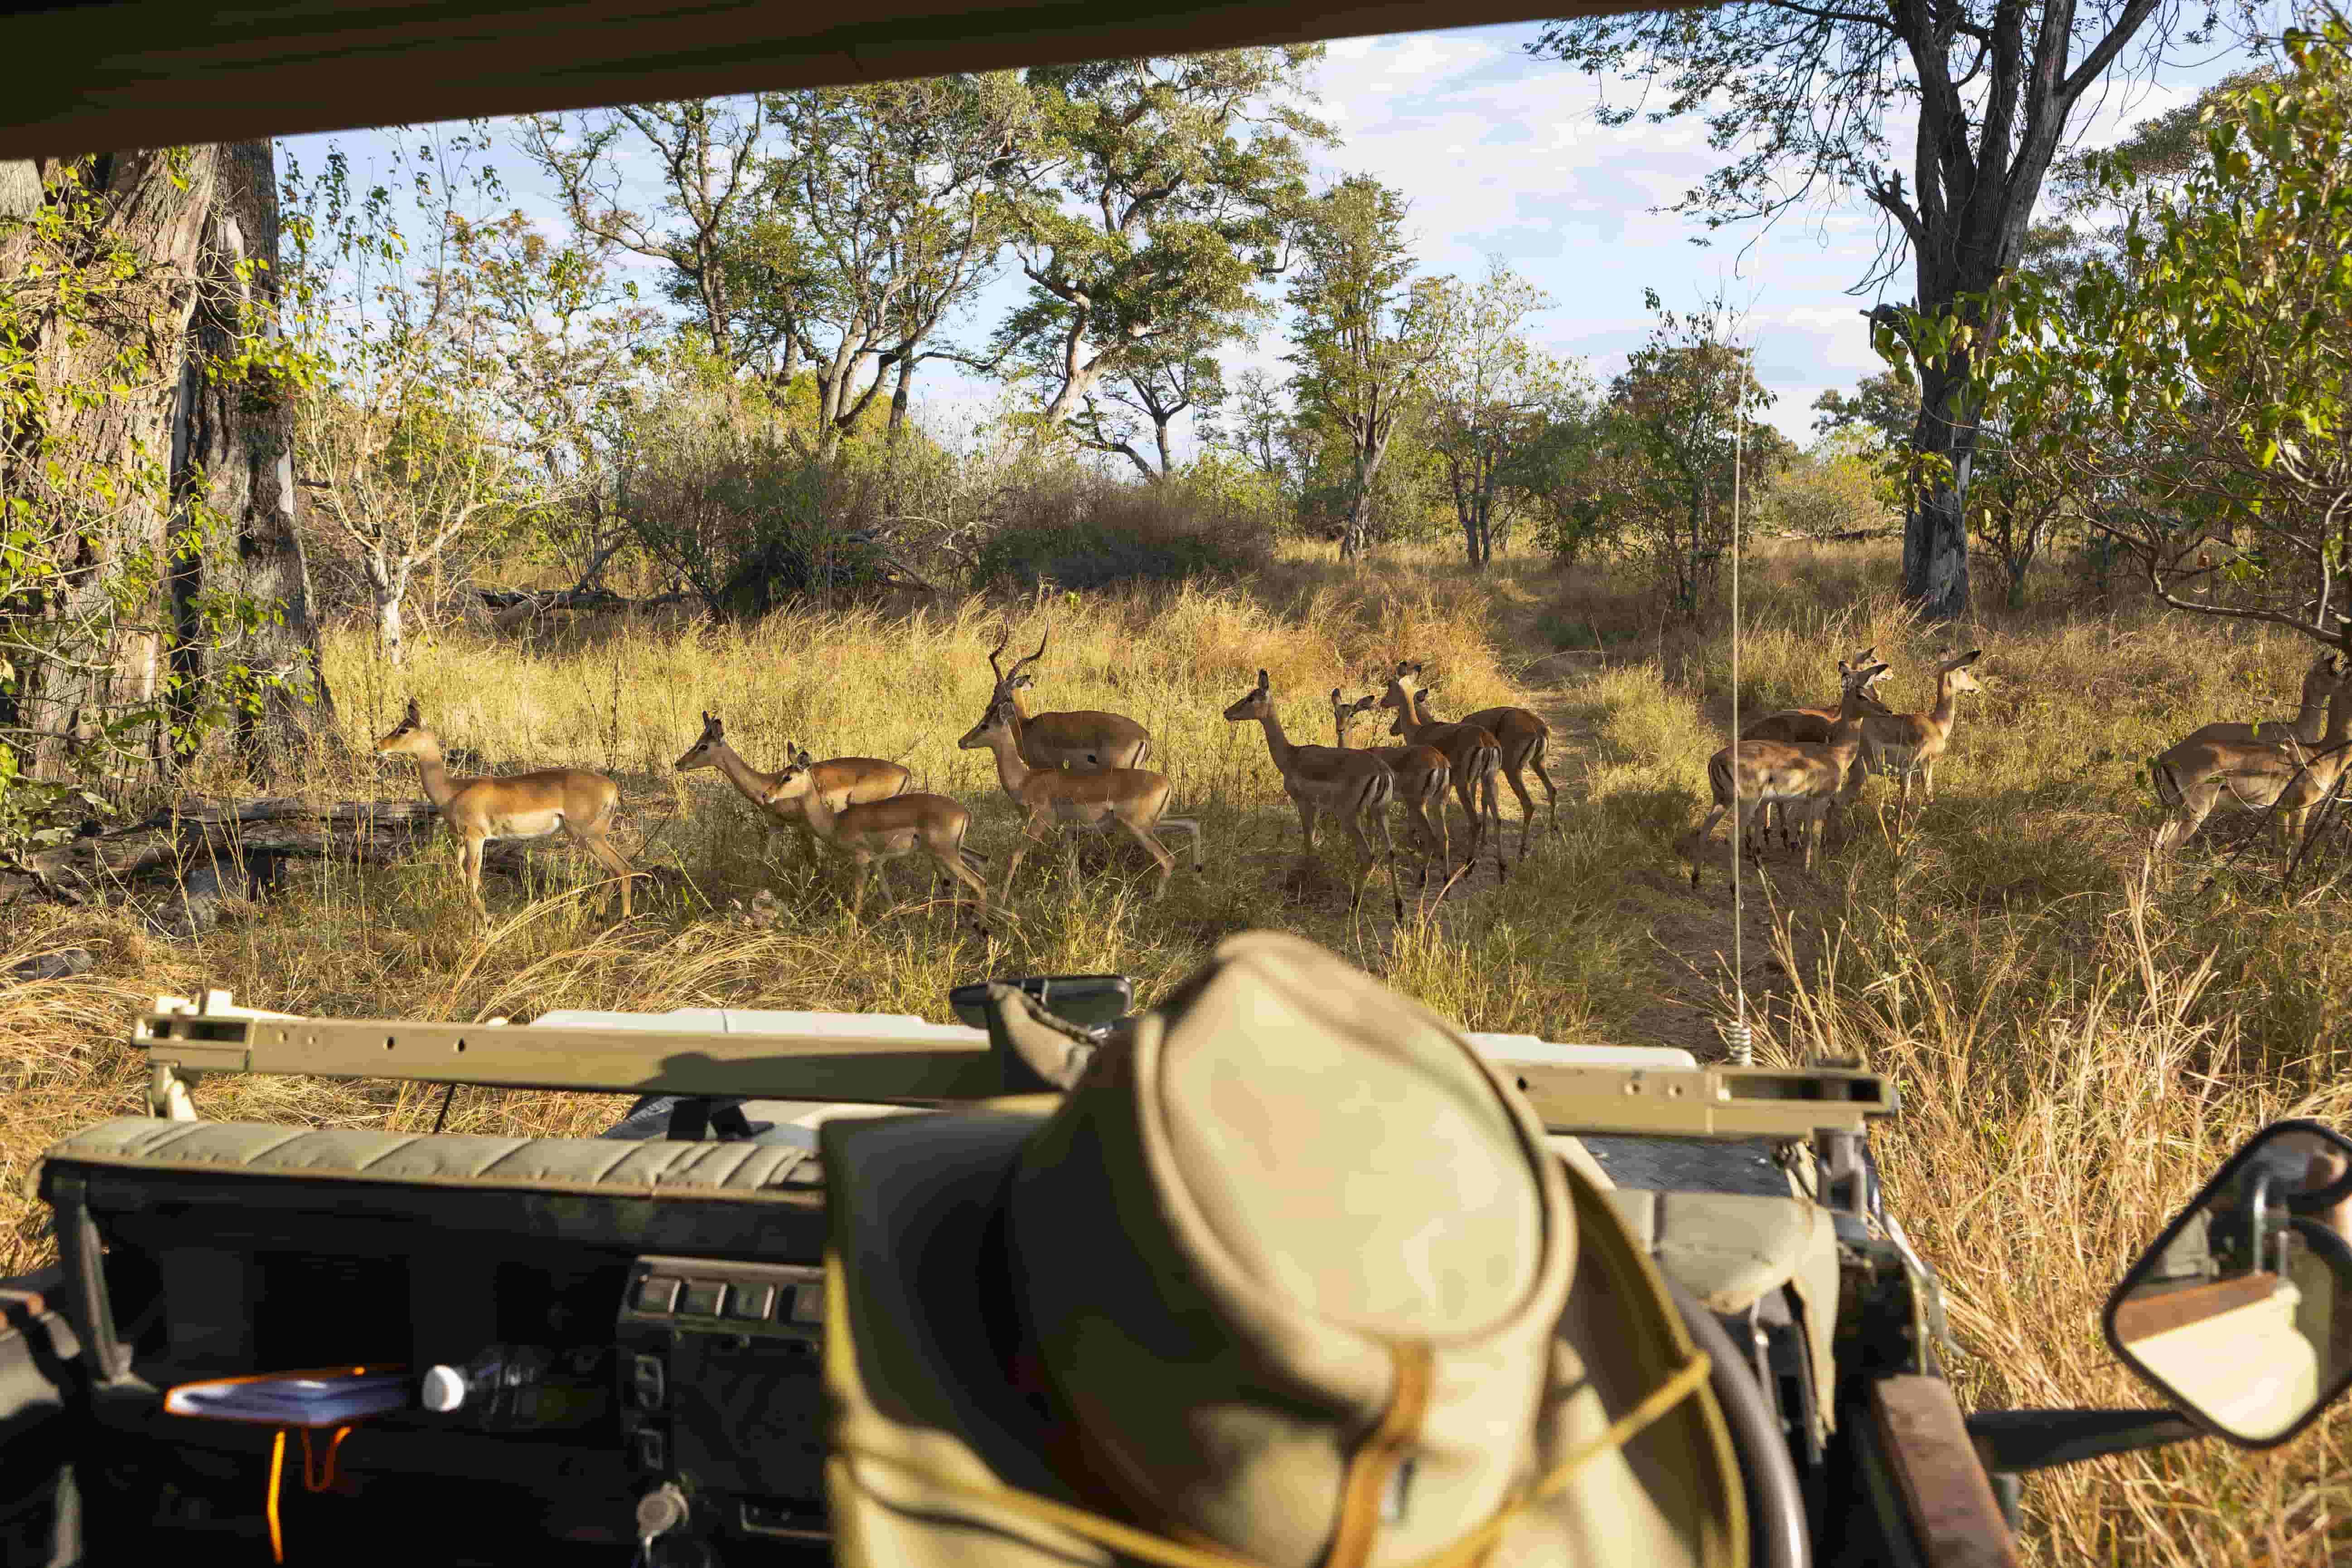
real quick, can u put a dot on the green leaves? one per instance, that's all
(2190, 388)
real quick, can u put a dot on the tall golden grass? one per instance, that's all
(2076, 1045)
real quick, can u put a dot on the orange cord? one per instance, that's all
(277, 1465)
(325, 1477)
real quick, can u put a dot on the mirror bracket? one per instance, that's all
(2013, 1441)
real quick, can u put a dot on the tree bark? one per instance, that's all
(233, 453)
(387, 597)
(900, 396)
(1936, 534)
(103, 658)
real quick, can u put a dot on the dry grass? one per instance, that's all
(2075, 1051)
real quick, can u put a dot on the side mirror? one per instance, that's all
(2241, 1311)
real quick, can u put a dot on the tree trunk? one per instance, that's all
(900, 396)
(386, 588)
(232, 454)
(1936, 536)
(1370, 450)
(104, 659)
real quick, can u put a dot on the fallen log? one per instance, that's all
(207, 851)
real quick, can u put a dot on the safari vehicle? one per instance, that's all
(595, 1347)
(544, 1350)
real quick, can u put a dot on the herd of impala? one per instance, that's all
(1785, 773)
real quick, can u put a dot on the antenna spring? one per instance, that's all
(1741, 1041)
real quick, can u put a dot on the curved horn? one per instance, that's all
(1002, 638)
(1033, 658)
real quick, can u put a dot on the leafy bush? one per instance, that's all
(1081, 530)
(1825, 492)
(724, 499)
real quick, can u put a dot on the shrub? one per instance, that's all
(1082, 531)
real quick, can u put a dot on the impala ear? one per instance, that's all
(1261, 680)
(804, 760)
(1335, 697)
(414, 715)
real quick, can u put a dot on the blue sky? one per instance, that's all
(1499, 153)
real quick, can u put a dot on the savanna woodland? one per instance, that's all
(287, 446)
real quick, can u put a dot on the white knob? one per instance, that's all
(444, 1388)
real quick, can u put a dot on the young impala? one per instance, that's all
(1904, 745)
(841, 781)
(517, 806)
(1804, 778)
(1421, 773)
(1348, 784)
(2194, 776)
(1080, 742)
(1473, 755)
(1128, 799)
(883, 830)
(1525, 738)
(2319, 683)
(1811, 727)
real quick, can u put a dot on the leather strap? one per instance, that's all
(1373, 1465)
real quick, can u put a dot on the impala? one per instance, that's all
(2319, 683)
(1811, 727)
(1130, 798)
(1473, 755)
(518, 806)
(1421, 773)
(1905, 744)
(2194, 776)
(1804, 778)
(882, 829)
(841, 781)
(1079, 741)
(1348, 784)
(1525, 738)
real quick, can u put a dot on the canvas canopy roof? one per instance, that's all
(100, 75)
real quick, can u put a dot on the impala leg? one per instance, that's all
(1745, 819)
(1698, 840)
(1184, 825)
(1495, 825)
(951, 862)
(1157, 850)
(470, 869)
(1031, 836)
(2195, 806)
(1526, 802)
(1388, 853)
(1551, 791)
(1306, 823)
(596, 844)
(1365, 861)
(861, 864)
